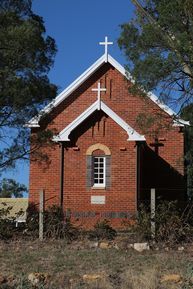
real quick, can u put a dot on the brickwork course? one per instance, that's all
(134, 166)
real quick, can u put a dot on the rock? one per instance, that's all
(174, 278)
(140, 247)
(93, 245)
(33, 278)
(181, 248)
(38, 278)
(92, 277)
(130, 246)
(105, 245)
(115, 245)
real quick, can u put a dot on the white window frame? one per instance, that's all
(101, 185)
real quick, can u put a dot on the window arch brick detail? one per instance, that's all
(98, 146)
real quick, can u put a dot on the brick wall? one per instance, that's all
(99, 128)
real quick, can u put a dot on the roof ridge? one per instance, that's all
(34, 122)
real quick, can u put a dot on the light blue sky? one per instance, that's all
(77, 27)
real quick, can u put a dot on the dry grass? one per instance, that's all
(123, 269)
(146, 279)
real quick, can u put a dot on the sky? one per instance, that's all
(77, 27)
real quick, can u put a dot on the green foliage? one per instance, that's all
(10, 188)
(187, 114)
(26, 55)
(32, 221)
(142, 226)
(157, 43)
(6, 225)
(189, 273)
(22, 282)
(173, 224)
(102, 230)
(8, 228)
(56, 225)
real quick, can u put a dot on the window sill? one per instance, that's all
(98, 188)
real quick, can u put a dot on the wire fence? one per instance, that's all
(121, 218)
(18, 210)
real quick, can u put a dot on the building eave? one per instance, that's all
(66, 92)
(34, 122)
(65, 133)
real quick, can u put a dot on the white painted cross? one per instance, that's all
(99, 90)
(106, 43)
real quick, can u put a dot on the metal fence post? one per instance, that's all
(41, 216)
(153, 213)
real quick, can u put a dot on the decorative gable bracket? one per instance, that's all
(132, 134)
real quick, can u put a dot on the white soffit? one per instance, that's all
(34, 122)
(132, 134)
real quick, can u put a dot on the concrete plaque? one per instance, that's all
(98, 200)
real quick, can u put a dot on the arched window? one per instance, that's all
(98, 166)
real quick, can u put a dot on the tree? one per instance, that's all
(187, 114)
(158, 44)
(10, 188)
(26, 55)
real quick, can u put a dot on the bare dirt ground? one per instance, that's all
(74, 266)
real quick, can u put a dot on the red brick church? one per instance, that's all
(105, 158)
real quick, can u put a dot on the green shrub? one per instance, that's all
(7, 223)
(102, 230)
(172, 223)
(32, 222)
(56, 225)
(142, 224)
(171, 226)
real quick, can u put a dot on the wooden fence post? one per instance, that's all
(153, 213)
(41, 216)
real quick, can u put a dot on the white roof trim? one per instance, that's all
(132, 134)
(34, 122)
(177, 122)
(66, 92)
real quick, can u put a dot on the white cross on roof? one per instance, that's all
(99, 90)
(106, 43)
